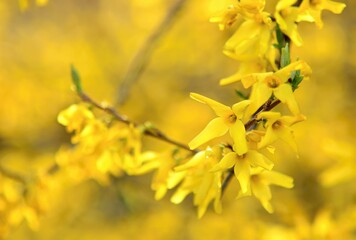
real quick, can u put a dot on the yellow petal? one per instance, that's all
(285, 72)
(259, 160)
(215, 128)
(160, 192)
(260, 94)
(252, 78)
(196, 159)
(335, 7)
(225, 163)
(238, 134)
(286, 134)
(242, 173)
(278, 179)
(263, 194)
(269, 138)
(285, 93)
(219, 109)
(179, 196)
(291, 120)
(282, 4)
(240, 107)
(175, 178)
(270, 116)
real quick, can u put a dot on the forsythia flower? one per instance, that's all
(195, 177)
(286, 16)
(311, 10)
(250, 42)
(227, 18)
(276, 83)
(278, 127)
(75, 117)
(163, 164)
(242, 166)
(229, 119)
(260, 185)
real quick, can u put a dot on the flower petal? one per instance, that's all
(263, 194)
(277, 178)
(259, 95)
(194, 161)
(220, 109)
(239, 108)
(238, 134)
(285, 93)
(286, 134)
(242, 173)
(225, 163)
(269, 138)
(215, 128)
(259, 160)
(334, 7)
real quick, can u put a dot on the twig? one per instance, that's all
(140, 61)
(10, 174)
(152, 132)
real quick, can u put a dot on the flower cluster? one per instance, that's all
(261, 44)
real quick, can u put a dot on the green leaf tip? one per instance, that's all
(241, 95)
(280, 38)
(285, 56)
(76, 79)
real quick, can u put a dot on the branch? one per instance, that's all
(139, 63)
(152, 132)
(10, 174)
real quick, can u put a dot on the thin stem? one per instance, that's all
(10, 174)
(140, 61)
(152, 132)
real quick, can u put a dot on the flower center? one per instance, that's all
(255, 178)
(230, 16)
(273, 81)
(241, 157)
(232, 118)
(315, 2)
(276, 125)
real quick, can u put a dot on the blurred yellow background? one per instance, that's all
(101, 38)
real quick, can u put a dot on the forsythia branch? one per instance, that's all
(151, 131)
(142, 57)
(10, 174)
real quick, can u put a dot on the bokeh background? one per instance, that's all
(101, 38)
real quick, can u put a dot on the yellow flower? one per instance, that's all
(163, 164)
(251, 41)
(266, 84)
(260, 185)
(195, 177)
(278, 127)
(229, 119)
(75, 117)
(286, 16)
(227, 18)
(250, 9)
(311, 10)
(243, 165)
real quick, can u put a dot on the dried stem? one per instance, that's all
(140, 61)
(152, 132)
(10, 174)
